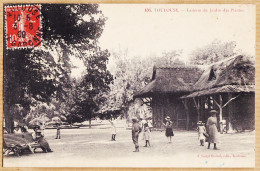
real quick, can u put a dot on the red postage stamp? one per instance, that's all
(23, 26)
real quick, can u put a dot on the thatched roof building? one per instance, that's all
(186, 93)
(171, 79)
(233, 74)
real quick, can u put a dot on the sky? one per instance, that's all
(129, 26)
(163, 29)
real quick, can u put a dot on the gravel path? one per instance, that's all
(92, 148)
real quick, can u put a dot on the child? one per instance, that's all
(113, 128)
(147, 133)
(169, 132)
(201, 129)
(58, 131)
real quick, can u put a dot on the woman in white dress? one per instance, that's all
(212, 129)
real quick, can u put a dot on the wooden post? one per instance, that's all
(202, 105)
(185, 103)
(230, 113)
(161, 116)
(152, 105)
(197, 105)
(220, 109)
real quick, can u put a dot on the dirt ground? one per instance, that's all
(86, 147)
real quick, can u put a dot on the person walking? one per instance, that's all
(169, 132)
(136, 129)
(212, 129)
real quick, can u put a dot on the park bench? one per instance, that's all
(18, 143)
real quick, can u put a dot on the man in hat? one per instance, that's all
(212, 129)
(136, 129)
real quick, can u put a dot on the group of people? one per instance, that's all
(37, 135)
(210, 132)
(146, 126)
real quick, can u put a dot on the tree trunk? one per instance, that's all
(9, 119)
(90, 120)
(220, 120)
(89, 123)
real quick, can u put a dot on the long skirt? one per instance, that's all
(44, 145)
(213, 134)
(169, 132)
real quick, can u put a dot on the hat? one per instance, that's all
(199, 122)
(134, 118)
(36, 126)
(168, 117)
(213, 112)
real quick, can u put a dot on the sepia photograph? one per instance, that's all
(129, 85)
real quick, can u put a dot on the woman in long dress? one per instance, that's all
(212, 129)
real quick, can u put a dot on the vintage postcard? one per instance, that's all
(129, 85)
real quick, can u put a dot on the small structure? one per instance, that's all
(187, 93)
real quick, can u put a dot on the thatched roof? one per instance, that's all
(223, 89)
(174, 79)
(238, 70)
(235, 74)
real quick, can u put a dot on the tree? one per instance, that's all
(26, 79)
(131, 74)
(36, 75)
(213, 52)
(170, 58)
(221, 106)
(95, 82)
